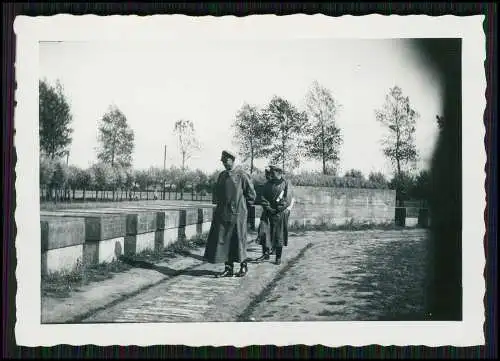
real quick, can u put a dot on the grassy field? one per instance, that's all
(107, 196)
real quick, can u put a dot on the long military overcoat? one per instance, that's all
(274, 230)
(227, 239)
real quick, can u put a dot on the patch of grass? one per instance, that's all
(188, 244)
(348, 226)
(61, 284)
(172, 251)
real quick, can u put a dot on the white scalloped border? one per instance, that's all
(30, 30)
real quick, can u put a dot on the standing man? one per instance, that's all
(263, 230)
(276, 204)
(227, 239)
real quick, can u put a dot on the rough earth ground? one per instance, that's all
(343, 275)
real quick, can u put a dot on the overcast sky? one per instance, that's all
(155, 84)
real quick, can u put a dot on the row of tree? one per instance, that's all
(58, 180)
(115, 137)
(280, 132)
(115, 146)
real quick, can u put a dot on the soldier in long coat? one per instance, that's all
(227, 239)
(276, 197)
(263, 229)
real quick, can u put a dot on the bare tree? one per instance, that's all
(186, 136)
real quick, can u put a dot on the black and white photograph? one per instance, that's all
(258, 180)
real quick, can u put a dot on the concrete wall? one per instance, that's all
(338, 206)
(62, 243)
(91, 236)
(75, 237)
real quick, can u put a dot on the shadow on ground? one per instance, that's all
(192, 255)
(171, 272)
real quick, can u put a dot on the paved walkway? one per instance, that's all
(197, 295)
(325, 276)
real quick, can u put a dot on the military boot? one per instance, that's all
(265, 255)
(243, 269)
(279, 251)
(228, 271)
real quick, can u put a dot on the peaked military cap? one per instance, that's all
(276, 168)
(227, 154)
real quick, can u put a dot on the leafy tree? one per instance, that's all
(252, 134)
(117, 178)
(129, 180)
(325, 137)
(403, 183)
(354, 173)
(399, 118)
(186, 136)
(286, 130)
(85, 179)
(55, 120)
(59, 179)
(174, 175)
(422, 188)
(73, 178)
(201, 181)
(116, 139)
(47, 167)
(183, 182)
(102, 175)
(142, 179)
(154, 177)
(354, 178)
(330, 170)
(378, 180)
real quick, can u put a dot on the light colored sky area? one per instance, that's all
(155, 84)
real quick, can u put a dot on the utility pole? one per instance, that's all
(165, 158)
(67, 194)
(164, 168)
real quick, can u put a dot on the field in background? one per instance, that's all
(47, 206)
(119, 196)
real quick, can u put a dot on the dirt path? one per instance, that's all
(357, 276)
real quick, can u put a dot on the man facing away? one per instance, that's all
(276, 207)
(263, 229)
(227, 239)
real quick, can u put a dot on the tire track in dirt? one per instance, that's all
(264, 294)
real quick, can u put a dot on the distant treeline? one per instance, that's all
(59, 181)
